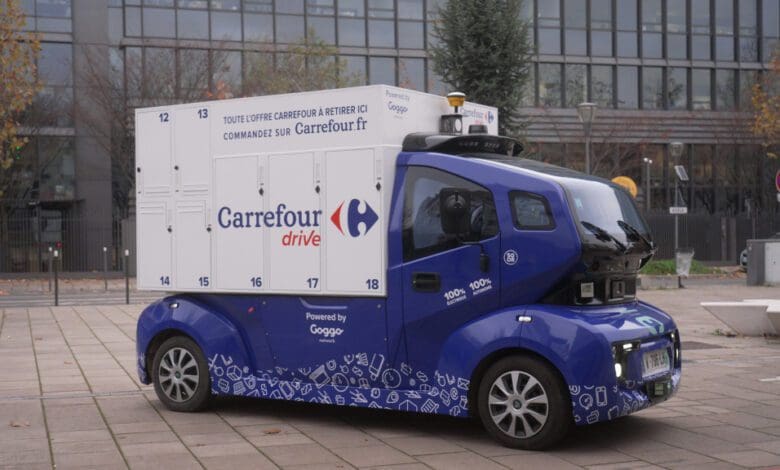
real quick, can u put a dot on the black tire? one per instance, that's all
(528, 403)
(191, 389)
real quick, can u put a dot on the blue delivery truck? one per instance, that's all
(373, 247)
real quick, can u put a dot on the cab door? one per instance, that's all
(448, 280)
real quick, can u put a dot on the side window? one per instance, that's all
(531, 211)
(422, 230)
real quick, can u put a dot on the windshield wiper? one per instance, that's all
(632, 231)
(603, 235)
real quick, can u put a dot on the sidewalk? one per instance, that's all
(69, 396)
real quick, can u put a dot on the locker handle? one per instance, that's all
(208, 229)
(170, 229)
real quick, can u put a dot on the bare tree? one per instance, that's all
(309, 64)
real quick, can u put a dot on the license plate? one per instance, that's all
(655, 362)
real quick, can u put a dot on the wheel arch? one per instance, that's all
(495, 356)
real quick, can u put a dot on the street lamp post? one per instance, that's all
(676, 149)
(587, 113)
(648, 162)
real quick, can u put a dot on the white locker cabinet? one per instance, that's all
(154, 246)
(354, 208)
(295, 235)
(192, 165)
(295, 188)
(192, 244)
(239, 242)
(154, 154)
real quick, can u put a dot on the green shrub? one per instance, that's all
(666, 266)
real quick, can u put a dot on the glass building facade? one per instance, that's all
(659, 70)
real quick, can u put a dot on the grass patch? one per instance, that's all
(659, 267)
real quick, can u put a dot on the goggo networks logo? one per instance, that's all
(353, 217)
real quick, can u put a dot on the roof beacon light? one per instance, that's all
(452, 124)
(456, 100)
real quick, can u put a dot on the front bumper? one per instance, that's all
(633, 390)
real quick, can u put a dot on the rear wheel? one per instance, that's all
(524, 404)
(181, 378)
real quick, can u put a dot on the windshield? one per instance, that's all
(604, 206)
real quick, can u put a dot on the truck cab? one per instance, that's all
(509, 295)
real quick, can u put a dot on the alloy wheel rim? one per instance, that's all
(518, 404)
(178, 374)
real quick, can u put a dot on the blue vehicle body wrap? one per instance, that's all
(576, 341)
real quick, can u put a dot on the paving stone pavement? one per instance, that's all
(70, 398)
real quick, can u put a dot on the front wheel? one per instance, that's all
(524, 404)
(181, 375)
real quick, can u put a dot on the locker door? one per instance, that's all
(154, 246)
(192, 164)
(355, 221)
(294, 240)
(154, 153)
(239, 241)
(193, 246)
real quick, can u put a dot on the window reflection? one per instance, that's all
(725, 89)
(628, 87)
(677, 88)
(550, 85)
(652, 88)
(601, 85)
(381, 70)
(700, 89)
(576, 84)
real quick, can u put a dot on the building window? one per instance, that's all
(411, 73)
(771, 27)
(701, 89)
(549, 24)
(381, 27)
(258, 27)
(676, 27)
(192, 24)
(132, 21)
(725, 89)
(294, 7)
(652, 88)
(354, 68)
(576, 84)
(748, 31)
(677, 88)
(53, 16)
(700, 24)
(747, 78)
(601, 85)
(381, 71)
(159, 23)
(575, 19)
(627, 27)
(724, 30)
(289, 29)
(651, 29)
(53, 104)
(550, 85)
(628, 87)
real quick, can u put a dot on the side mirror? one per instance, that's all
(455, 211)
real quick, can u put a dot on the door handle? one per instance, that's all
(426, 282)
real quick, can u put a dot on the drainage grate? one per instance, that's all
(691, 345)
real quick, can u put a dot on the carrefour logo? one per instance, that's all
(491, 117)
(354, 217)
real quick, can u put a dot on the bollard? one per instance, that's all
(56, 279)
(50, 266)
(105, 268)
(127, 278)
